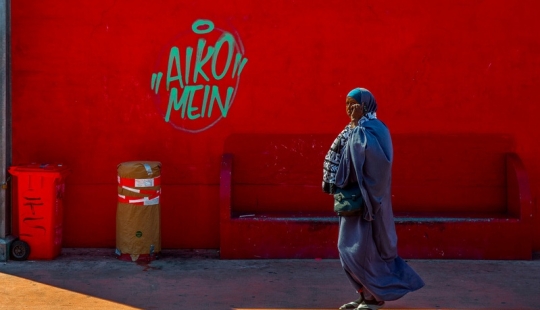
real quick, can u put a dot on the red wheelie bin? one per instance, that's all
(38, 191)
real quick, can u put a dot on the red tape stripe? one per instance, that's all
(140, 182)
(140, 201)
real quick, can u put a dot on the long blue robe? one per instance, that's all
(367, 243)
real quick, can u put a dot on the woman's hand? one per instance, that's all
(356, 112)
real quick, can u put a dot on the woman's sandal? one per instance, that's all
(370, 304)
(353, 304)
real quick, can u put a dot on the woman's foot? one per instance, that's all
(353, 304)
(370, 304)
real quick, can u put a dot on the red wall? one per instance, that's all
(82, 91)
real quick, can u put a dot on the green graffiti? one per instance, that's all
(201, 61)
(178, 104)
(196, 27)
(189, 52)
(174, 58)
(203, 55)
(239, 62)
(215, 97)
(174, 72)
(186, 102)
(226, 37)
(156, 78)
(186, 86)
(205, 99)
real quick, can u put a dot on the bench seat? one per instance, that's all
(271, 204)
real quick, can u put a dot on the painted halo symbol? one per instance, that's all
(196, 27)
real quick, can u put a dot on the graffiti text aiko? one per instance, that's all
(200, 81)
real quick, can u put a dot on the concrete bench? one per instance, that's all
(454, 196)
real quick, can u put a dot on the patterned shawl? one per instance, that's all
(333, 157)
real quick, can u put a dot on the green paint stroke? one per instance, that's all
(239, 62)
(156, 78)
(225, 37)
(196, 27)
(189, 53)
(174, 58)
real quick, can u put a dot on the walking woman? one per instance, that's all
(361, 156)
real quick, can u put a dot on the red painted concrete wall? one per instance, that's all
(83, 92)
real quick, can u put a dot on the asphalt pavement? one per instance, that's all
(198, 279)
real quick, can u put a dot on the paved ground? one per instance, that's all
(94, 279)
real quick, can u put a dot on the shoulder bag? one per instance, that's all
(348, 201)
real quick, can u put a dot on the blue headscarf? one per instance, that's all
(363, 95)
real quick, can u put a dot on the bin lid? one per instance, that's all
(39, 168)
(139, 169)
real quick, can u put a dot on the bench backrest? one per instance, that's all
(450, 173)
(278, 173)
(442, 173)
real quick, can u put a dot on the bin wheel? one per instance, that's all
(20, 250)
